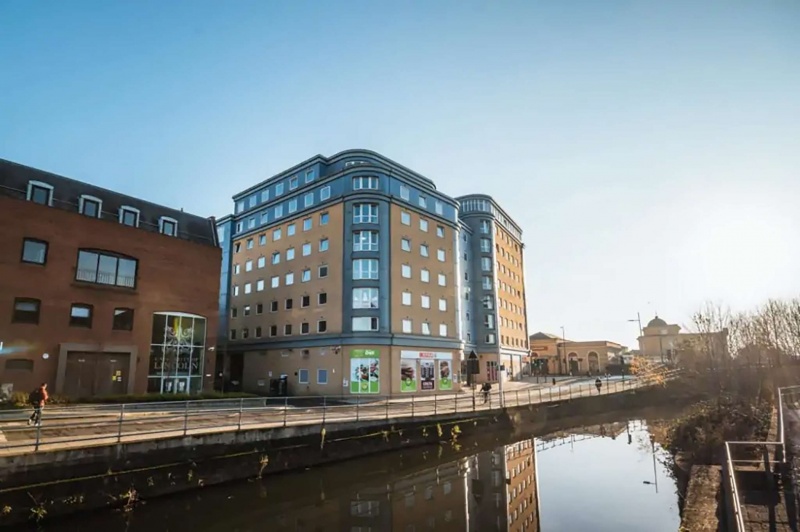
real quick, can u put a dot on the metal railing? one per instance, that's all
(81, 425)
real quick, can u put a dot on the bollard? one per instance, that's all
(387, 408)
(435, 408)
(473, 400)
(285, 409)
(517, 393)
(412, 407)
(186, 418)
(38, 434)
(121, 416)
(324, 407)
(241, 407)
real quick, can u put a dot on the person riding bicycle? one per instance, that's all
(485, 389)
(37, 398)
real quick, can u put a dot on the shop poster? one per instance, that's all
(408, 375)
(365, 375)
(445, 375)
(426, 375)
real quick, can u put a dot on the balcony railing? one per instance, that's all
(104, 278)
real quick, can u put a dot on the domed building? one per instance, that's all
(664, 342)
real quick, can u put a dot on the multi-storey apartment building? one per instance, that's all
(347, 275)
(102, 293)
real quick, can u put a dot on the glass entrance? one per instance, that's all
(177, 353)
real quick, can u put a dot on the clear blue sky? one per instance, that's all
(649, 150)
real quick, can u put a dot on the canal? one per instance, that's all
(593, 478)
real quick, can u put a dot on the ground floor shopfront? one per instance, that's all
(368, 370)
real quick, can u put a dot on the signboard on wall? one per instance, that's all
(365, 375)
(427, 367)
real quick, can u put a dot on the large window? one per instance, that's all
(365, 269)
(102, 267)
(365, 298)
(365, 241)
(486, 245)
(34, 251)
(26, 310)
(177, 353)
(365, 324)
(365, 213)
(365, 182)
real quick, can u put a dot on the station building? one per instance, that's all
(353, 274)
(102, 293)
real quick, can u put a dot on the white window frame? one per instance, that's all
(261, 262)
(371, 321)
(443, 329)
(294, 182)
(292, 205)
(406, 299)
(441, 255)
(405, 218)
(305, 249)
(368, 270)
(405, 244)
(319, 372)
(425, 301)
(424, 250)
(248, 288)
(260, 285)
(423, 224)
(275, 281)
(40, 184)
(405, 192)
(443, 304)
(370, 218)
(166, 219)
(442, 279)
(300, 378)
(291, 230)
(278, 211)
(86, 197)
(371, 243)
(405, 268)
(288, 279)
(425, 328)
(305, 276)
(438, 206)
(278, 189)
(425, 275)
(408, 326)
(369, 295)
(309, 176)
(128, 208)
(308, 222)
(324, 243)
(290, 254)
(325, 193)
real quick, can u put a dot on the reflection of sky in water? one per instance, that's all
(598, 484)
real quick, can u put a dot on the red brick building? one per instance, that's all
(102, 293)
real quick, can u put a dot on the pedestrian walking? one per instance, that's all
(599, 384)
(37, 398)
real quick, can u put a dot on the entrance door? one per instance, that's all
(93, 374)
(491, 371)
(175, 385)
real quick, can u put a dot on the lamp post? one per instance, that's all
(564, 347)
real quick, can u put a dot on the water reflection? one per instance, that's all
(601, 477)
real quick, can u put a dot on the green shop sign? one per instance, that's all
(365, 371)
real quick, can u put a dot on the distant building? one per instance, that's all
(665, 343)
(102, 293)
(558, 356)
(353, 274)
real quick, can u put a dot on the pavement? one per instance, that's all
(79, 426)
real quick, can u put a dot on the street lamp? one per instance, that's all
(564, 347)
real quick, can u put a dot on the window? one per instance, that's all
(405, 218)
(289, 303)
(426, 328)
(123, 319)
(365, 241)
(490, 338)
(405, 193)
(264, 195)
(275, 282)
(260, 285)
(236, 290)
(306, 277)
(34, 251)
(248, 266)
(309, 176)
(293, 182)
(323, 218)
(424, 276)
(365, 269)
(322, 376)
(290, 254)
(237, 247)
(273, 330)
(258, 332)
(423, 225)
(248, 288)
(407, 326)
(292, 205)
(129, 216)
(279, 189)
(323, 245)
(40, 193)
(486, 282)
(324, 193)
(291, 230)
(273, 306)
(26, 310)
(105, 268)
(425, 301)
(407, 298)
(289, 280)
(365, 182)
(287, 329)
(90, 206)
(249, 243)
(306, 250)
(305, 328)
(442, 304)
(485, 229)
(365, 324)
(488, 321)
(246, 310)
(239, 206)
(322, 298)
(233, 334)
(19, 364)
(423, 250)
(438, 207)
(365, 297)
(365, 213)
(238, 227)
(168, 226)
(322, 326)
(442, 329)
(486, 245)
(442, 280)
(307, 224)
(262, 262)
(278, 211)
(276, 257)
(259, 309)
(323, 271)
(80, 315)
(486, 264)
(251, 201)
(440, 231)
(405, 271)
(423, 202)
(305, 301)
(405, 244)
(440, 255)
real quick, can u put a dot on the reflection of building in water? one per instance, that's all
(502, 489)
